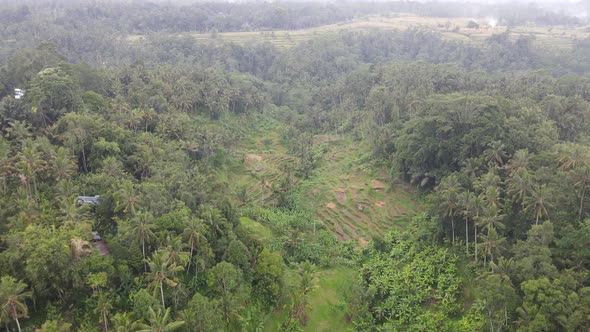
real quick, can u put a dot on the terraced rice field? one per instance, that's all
(452, 28)
(260, 167)
(356, 201)
(269, 171)
(353, 199)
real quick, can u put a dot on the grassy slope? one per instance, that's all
(350, 197)
(343, 166)
(258, 165)
(325, 311)
(345, 191)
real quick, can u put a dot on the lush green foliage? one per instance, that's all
(494, 136)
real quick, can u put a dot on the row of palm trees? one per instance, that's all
(482, 207)
(163, 267)
(32, 159)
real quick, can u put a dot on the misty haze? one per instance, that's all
(294, 165)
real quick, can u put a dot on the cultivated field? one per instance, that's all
(454, 28)
(353, 199)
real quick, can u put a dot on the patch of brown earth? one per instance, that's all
(377, 185)
(253, 162)
(341, 194)
(331, 206)
(252, 158)
(340, 234)
(380, 204)
(399, 210)
(354, 195)
(362, 242)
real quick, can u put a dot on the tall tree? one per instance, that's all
(581, 176)
(520, 186)
(193, 234)
(128, 199)
(162, 271)
(520, 160)
(103, 308)
(160, 322)
(29, 163)
(13, 295)
(495, 155)
(450, 189)
(142, 226)
(539, 202)
(124, 322)
(467, 201)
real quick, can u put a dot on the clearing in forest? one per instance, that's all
(353, 199)
(262, 167)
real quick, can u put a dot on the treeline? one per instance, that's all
(79, 28)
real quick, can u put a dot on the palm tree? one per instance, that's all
(62, 165)
(490, 179)
(19, 130)
(103, 308)
(478, 203)
(175, 247)
(159, 322)
(491, 196)
(12, 299)
(112, 167)
(467, 202)
(127, 198)
(142, 226)
(55, 326)
(193, 233)
(449, 190)
(124, 322)
(539, 202)
(471, 167)
(520, 160)
(29, 162)
(492, 242)
(213, 219)
(572, 155)
(162, 271)
(520, 186)
(582, 182)
(491, 220)
(495, 154)
(503, 269)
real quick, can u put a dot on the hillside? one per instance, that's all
(352, 197)
(450, 28)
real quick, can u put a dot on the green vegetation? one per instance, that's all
(293, 167)
(327, 304)
(353, 197)
(257, 230)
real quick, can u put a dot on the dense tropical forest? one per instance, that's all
(294, 166)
